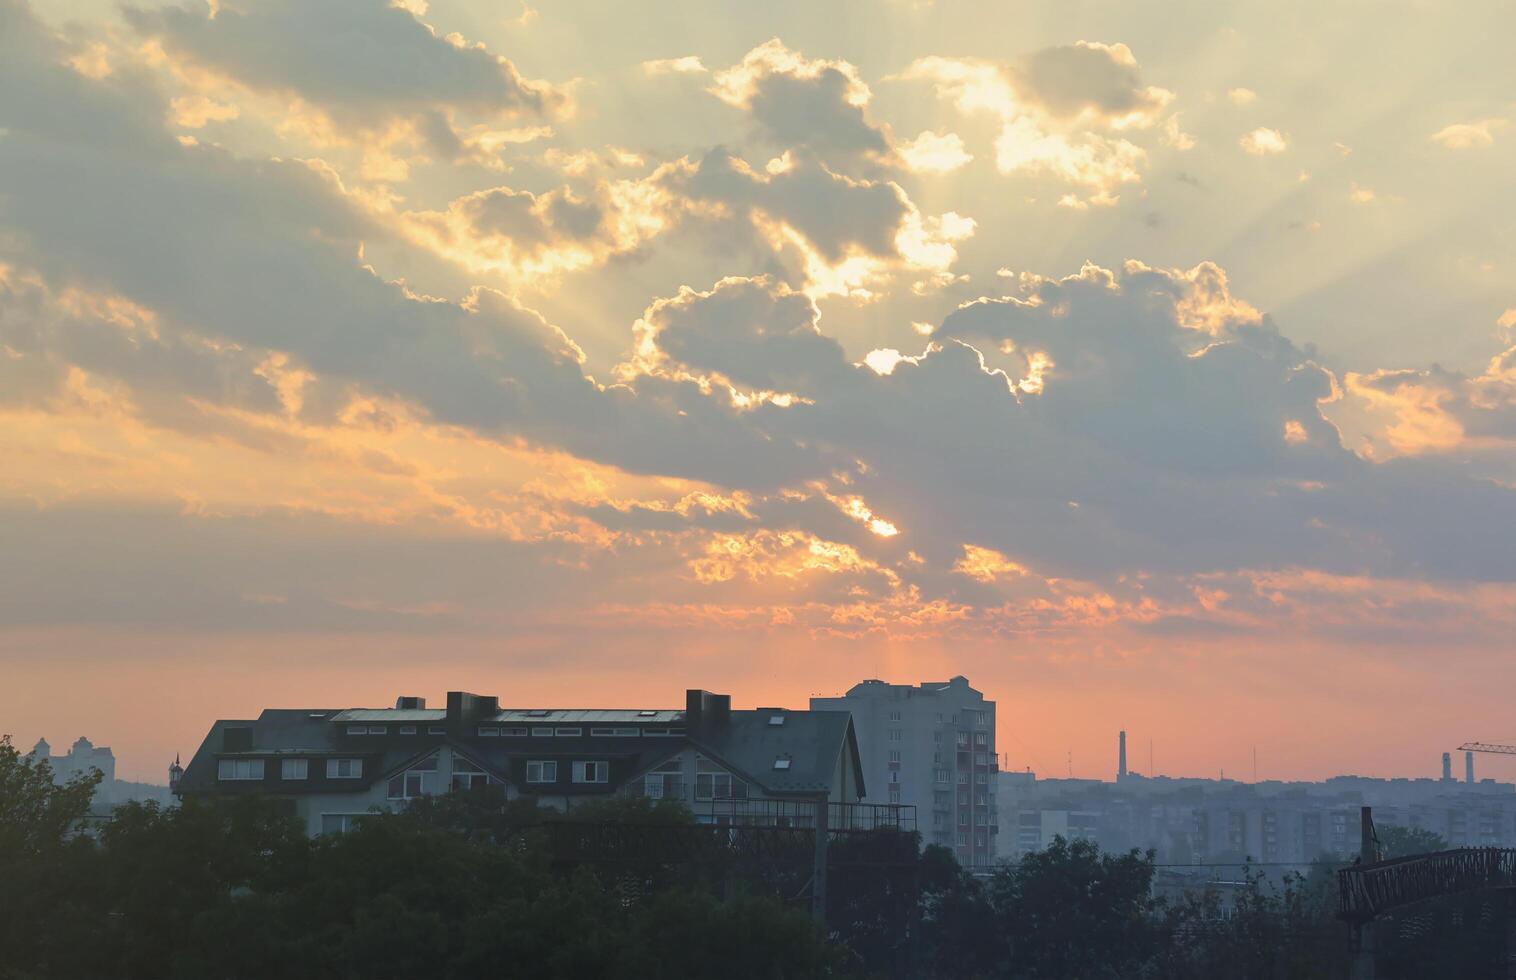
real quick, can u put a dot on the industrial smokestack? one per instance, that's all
(1468, 767)
(1121, 759)
(1447, 767)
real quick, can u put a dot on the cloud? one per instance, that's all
(1359, 194)
(934, 153)
(1242, 96)
(795, 102)
(688, 65)
(1055, 107)
(209, 336)
(1437, 410)
(1264, 142)
(363, 65)
(1470, 135)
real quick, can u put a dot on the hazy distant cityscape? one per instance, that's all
(930, 747)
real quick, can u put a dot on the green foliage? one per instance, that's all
(236, 890)
(463, 886)
(1398, 842)
(35, 814)
(1071, 911)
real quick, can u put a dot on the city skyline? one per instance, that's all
(1153, 374)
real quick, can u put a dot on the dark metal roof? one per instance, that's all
(813, 742)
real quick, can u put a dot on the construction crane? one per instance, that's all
(1487, 747)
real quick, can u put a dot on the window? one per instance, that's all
(647, 714)
(513, 733)
(895, 777)
(542, 772)
(436, 730)
(489, 733)
(894, 755)
(781, 763)
(665, 782)
(357, 729)
(936, 758)
(894, 734)
(407, 729)
(776, 719)
(570, 732)
(939, 717)
(963, 738)
(294, 769)
(467, 775)
(542, 732)
(980, 738)
(963, 779)
(376, 729)
(232, 769)
(943, 776)
(429, 764)
(937, 737)
(712, 783)
(981, 778)
(591, 772)
(344, 768)
(894, 716)
(620, 732)
(407, 786)
(894, 794)
(339, 823)
(538, 713)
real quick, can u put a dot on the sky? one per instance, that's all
(1153, 368)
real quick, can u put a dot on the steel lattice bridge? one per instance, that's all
(1369, 890)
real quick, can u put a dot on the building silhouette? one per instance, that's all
(931, 745)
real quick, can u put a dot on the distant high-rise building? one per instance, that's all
(931, 745)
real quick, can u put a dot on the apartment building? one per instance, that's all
(932, 746)
(1278, 823)
(335, 765)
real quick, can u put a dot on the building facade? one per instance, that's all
(82, 757)
(334, 766)
(1215, 821)
(932, 746)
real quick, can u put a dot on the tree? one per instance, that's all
(1071, 911)
(1398, 842)
(36, 814)
(39, 847)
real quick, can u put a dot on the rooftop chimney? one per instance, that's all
(1447, 767)
(704, 711)
(1468, 767)
(463, 707)
(1121, 758)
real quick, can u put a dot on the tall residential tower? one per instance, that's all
(933, 746)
